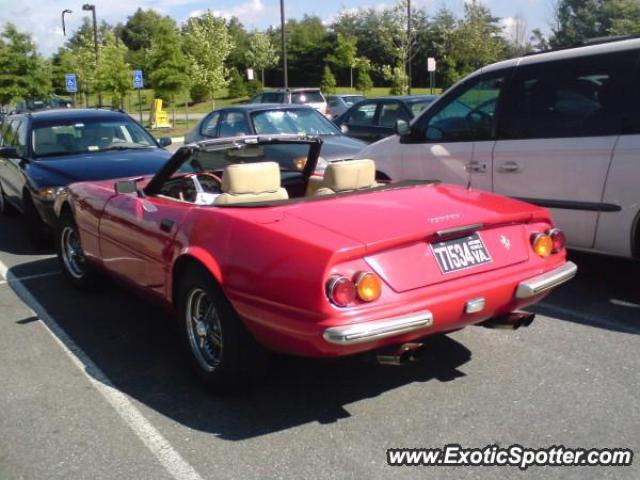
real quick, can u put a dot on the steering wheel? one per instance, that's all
(479, 117)
(213, 176)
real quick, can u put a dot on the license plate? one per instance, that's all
(460, 253)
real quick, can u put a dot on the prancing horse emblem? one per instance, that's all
(505, 241)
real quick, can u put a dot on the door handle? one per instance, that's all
(476, 167)
(166, 225)
(509, 167)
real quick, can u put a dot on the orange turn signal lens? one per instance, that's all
(542, 244)
(368, 286)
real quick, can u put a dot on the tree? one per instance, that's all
(237, 86)
(477, 41)
(398, 78)
(240, 38)
(114, 73)
(23, 73)
(346, 54)
(207, 44)
(261, 53)
(363, 79)
(579, 20)
(443, 34)
(137, 34)
(328, 82)
(518, 43)
(168, 65)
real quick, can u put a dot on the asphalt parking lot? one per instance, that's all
(94, 386)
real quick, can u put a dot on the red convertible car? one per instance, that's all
(251, 250)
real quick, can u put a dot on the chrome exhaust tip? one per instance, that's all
(511, 321)
(399, 354)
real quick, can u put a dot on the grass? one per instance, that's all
(180, 127)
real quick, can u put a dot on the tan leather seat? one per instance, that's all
(251, 183)
(348, 176)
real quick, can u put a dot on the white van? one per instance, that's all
(560, 129)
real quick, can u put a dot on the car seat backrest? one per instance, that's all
(348, 176)
(251, 183)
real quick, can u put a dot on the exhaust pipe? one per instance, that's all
(511, 321)
(399, 354)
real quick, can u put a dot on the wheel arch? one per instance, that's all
(192, 258)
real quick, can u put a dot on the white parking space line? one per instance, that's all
(159, 446)
(29, 277)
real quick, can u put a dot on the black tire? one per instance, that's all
(71, 256)
(39, 233)
(234, 359)
(5, 207)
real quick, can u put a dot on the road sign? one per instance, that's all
(138, 81)
(249, 73)
(431, 64)
(71, 83)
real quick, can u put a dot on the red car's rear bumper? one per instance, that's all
(425, 311)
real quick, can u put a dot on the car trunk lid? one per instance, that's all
(400, 227)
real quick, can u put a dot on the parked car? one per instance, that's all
(559, 129)
(248, 256)
(375, 118)
(42, 152)
(34, 105)
(298, 96)
(338, 104)
(271, 119)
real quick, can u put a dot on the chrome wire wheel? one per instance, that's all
(72, 254)
(204, 329)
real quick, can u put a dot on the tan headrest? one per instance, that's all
(350, 175)
(242, 178)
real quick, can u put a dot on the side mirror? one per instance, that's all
(126, 187)
(344, 128)
(9, 152)
(164, 141)
(402, 127)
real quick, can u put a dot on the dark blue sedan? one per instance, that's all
(42, 152)
(374, 119)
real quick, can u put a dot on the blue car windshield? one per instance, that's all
(306, 121)
(71, 137)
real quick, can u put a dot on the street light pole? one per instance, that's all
(284, 45)
(64, 12)
(409, 42)
(87, 7)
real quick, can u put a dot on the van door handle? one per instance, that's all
(509, 167)
(476, 167)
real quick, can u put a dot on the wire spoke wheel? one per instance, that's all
(204, 329)
(72, 254)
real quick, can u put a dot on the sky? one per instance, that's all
(42, 18)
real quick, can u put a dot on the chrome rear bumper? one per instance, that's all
(537, 285)
(368, 331)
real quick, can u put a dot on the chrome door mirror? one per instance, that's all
(402, 127)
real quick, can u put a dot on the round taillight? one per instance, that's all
(559, 239)
(368, 286)
(341, 291)
(542, 244)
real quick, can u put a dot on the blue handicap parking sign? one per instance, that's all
(71, 83)
(138, 82)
